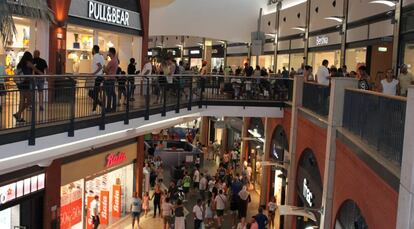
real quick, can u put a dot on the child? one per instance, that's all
(145, 203)
(209, 213)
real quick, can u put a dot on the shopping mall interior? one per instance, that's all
(177, 114)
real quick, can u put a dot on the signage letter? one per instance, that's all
(113, 15)
(116, 201)
(118, 16)
(104, 207)
(126, 18)
(108, 14)
(90, 12)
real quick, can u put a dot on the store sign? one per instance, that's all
(194, 52)
(322, 40)
(307, 193)
(89, 223)
(104, 207)
(116, 201)
(101, 12)
(21, 188)
(114, 159)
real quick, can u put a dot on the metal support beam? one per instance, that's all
(306, 38)
(343, 31)
(396, 38)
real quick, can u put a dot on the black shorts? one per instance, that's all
(234, 206)
(186, 189)
(196, 184)
(220, 212)
(136, 214)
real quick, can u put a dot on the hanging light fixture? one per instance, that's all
(336, 18)
(300, 28)
(389, 3)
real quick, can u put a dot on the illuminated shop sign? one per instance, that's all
(101, 12)
(307, 193)
(21, 188)
(194, 52)
(322, 40)
(114, 159)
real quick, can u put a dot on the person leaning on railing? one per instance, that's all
(97, 71)
(389, 85)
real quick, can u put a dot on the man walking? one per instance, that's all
(109, 82)
(41, 65)
(94, 211)
(136, 206)
(198, 214)
(97, 70)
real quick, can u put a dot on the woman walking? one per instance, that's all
(179, 216)
(157, 200)
(244, 200)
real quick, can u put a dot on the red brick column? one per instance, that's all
(52, 195)
(139, 165)
(145, 11)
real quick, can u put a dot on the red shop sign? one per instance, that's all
(115, 159)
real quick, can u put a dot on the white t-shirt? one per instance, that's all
(234, 155)
(147, 67)
(272, 206)
(196, 177)
(211, 185)
(94, 208)
(97, 59)
(203, 184)
(221, 201)
(166, 209)
(389, 88)
(198, 211)
(323, 74)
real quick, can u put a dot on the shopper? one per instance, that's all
(157, 200)
(406, 79)
(285, 73)
(25, 67)
(254, 224)
(209, 211)
(363, 80)
(261, 219)
(198, 212)
(322, 76)
(40, 65)
(220, 203)
(308, 74)
(109, 82)
(257, 72)
(94, 211)
(131, 78)
(389, 85)
(179, 216)
(122, 90)
(244, 200)
(272, 209)
(196, 178)
(145, 203)
(202, 187)
(135, 209)
(97, 71)
(167, 209)
(292, 73)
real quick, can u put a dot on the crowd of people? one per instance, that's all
(224, 192)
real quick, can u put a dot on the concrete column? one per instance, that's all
(405, 215)
(207, 53)
(139, 165)
(225, 138)
(265, 170)
(204, 131)
(296, 103)
(336, 107)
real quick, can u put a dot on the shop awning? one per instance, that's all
(296, 211)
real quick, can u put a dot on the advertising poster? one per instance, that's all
(116, 201)
(104, 207)
(89, 224)
(76, 207)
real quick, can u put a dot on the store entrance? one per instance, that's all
(26, 214)
(315, 59)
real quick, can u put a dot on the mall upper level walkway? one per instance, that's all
(72, 103)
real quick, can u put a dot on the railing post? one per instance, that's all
(202, 85)
(71, 131)
(32, 136)
(164, 99)
(335, 119)
(128, 97)
(190, 96)
(103, 107)
(178, 87)
(406, 192)
(147, 99)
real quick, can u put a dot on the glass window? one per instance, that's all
(355, 57)
(296, 60)
(282, 61)
(264, 61)
(316, 58)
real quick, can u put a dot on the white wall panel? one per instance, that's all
(357, 34)
(297, 44)
(381, 29)
(237, 49)
(268, 47)
(359, 9)
(292, 20)
(325, 9)
(231, 20)
(268, 23)
(283, 45)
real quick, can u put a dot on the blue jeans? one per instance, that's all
(109, 86)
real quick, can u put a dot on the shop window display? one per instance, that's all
(15, 48)
(315, 59)
(282, 61)
(355, 57)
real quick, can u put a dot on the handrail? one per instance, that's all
(395, 97)
(316, 84)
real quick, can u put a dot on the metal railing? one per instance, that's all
(26, 104)
(316, 98)
(377, 119)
